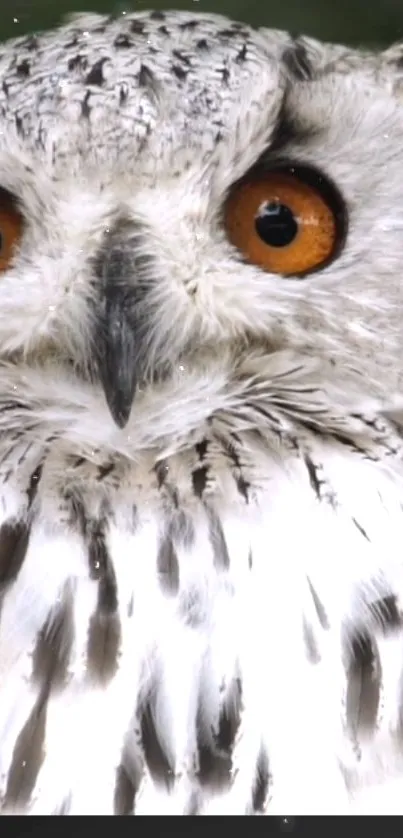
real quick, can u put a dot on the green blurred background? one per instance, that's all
(359, 22)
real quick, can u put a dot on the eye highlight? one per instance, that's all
(11, 226)
(287, 221)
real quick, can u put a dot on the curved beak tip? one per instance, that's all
(120, 414)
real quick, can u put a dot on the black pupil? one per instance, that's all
(276, 224)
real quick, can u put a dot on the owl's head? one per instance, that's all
(179, 191)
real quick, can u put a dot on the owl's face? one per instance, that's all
(177, 188)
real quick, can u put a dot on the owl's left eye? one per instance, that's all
(11, 225)
(288, 221)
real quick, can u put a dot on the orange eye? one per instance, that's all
(11, 224)
(287, 222)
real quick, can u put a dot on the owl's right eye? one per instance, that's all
(11, 227)
(289, 221)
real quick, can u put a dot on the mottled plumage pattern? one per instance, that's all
(200, 608)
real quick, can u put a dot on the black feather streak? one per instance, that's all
(297, 62)
(261, 788)
(242, 54)
(215, 758)
(137, 27)
(23, 68)
(54, 644)
(104, 634)
(156, 759)
(27, 757)
(363, 690)
(168, 566)
(123, 42)
(360, 529)
(125, 793)
(218, 543)
(191, 25)
(85, 105)
(95, 76)
(146, 78)
(34, 484)
(14, 539)
(199, 475)
(313, 476)
(242, 485)
(320, 610)
(311, 645)
(230, 718)
(179, 72)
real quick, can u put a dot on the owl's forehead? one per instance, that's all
(109, 88)
(152, 91)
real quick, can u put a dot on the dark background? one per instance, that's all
(362, 22)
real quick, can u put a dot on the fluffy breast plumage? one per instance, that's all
(197, 627)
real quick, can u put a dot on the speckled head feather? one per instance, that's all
(201, 479)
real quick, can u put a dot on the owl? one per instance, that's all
(201, 421)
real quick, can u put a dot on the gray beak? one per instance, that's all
(120, 333)
(117, 356)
